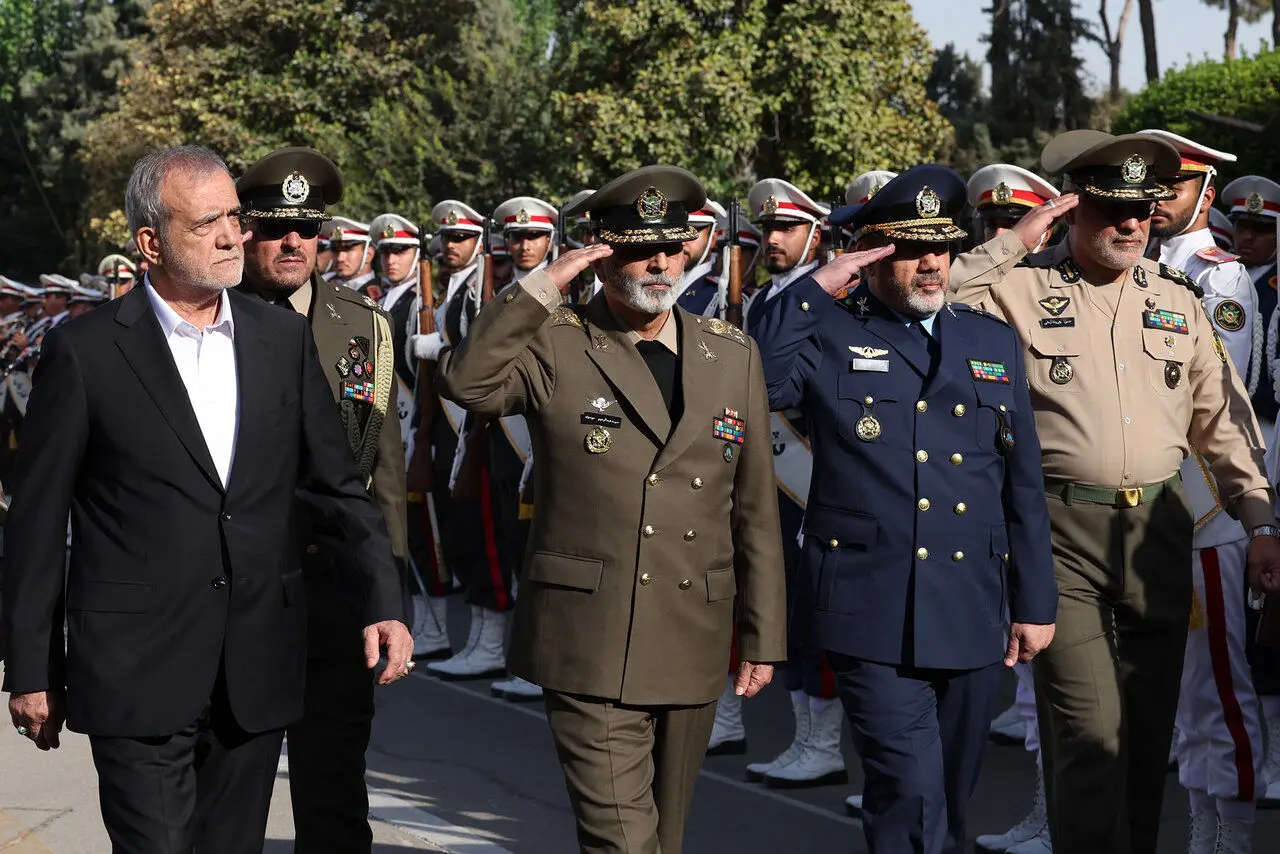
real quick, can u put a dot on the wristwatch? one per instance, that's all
(1264, 531)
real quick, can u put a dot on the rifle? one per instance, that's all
(467, 485)
(733, 311)
(837, 249)
(115, 278)
(418, 477)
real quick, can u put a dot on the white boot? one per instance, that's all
(430, 628)
(473, 635)
(1038, 844)
(1234, 837)
(1009, 727)
(1035, 822)
(853, 806)
(487, 656)
(820, 762)
(800, 707)
(516, 690)
(1202, 833)
(728, 736)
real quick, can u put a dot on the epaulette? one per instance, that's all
(716, 326)
(347, 295)
(1173, 274)
(964, 306)
(1216, 255)
(568, 315)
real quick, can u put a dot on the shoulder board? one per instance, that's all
(1173, 274)
(965, 307)
(347, 295)
(1216, 255)
(568, 315)
(723, 328)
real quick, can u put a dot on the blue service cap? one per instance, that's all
(921, 204)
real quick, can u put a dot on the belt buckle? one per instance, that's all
(1129, 497)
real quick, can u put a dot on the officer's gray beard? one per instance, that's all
(1112, 256)
(919, 304)
(635, 293)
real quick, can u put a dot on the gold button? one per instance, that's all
(689, 535)
(958, 556)
(1004, 408)
(868, 399)
(1006, 555)
(922, 456)
(958, 411)
(508, 297)
(646, 578)
(956, 459)
(804, 306)
(686, 584)
(923, 504)
(835, 544)
(922, 406)
(696, 483)
(961, 508)
(648, 531)
(922, 553)
(653, 480)
(312, 549)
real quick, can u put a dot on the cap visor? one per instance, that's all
(1152, 193)
(648, 236)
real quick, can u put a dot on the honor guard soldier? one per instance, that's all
(749, 238)
(397, 246)
(55, 295)
(503, 268)
(926, 504)
(11, 296)
(656, 509)
(1222, 229)
(352, 255)
(1127, 374)
(790, 222)
(1218, 739)
(120, 274)
(82, 299)
(1002, 194)
(528, 230)
(700, 289)
(324, 252)
(1253, 204)
(283, 198)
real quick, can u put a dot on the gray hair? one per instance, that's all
(142, 205)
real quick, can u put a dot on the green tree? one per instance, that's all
(1249, 11)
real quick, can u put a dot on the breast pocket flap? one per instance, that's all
(841, 527)
(559, 570)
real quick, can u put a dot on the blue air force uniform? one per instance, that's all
(926, 525)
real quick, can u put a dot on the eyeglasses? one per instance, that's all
(278, 229)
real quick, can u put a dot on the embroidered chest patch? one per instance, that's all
(1170, 321)
(989, 372)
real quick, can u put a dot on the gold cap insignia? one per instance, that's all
(451, 218)
(336, 236)
(1002, 195)
(770, 206)
(652, 204)
(1133, 170)
(522, 217)
(1254, 203)
(295, 189)
(875, 188)
(388, 231)
(928, 205)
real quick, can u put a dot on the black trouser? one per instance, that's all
(327, 755)
(460, 522)
(206, 789)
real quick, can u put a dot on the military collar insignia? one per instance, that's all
(333, 312)
(522, 217)
(928, 205)
(863, 308)
(295, 189)
(1133, 170)
(1055, 305)
(1069, 270)
(451, 218)
(1254, 204)
(1140, 276)
(868, 352)
(707, 352)
(652, 204)
(770, 206)
(1002, 195)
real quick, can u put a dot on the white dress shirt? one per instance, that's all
(206, 361)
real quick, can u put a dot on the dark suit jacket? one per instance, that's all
(916, 539)
(170, 572)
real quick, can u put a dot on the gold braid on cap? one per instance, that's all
(291, 213)
(648, 235)
(900, 228)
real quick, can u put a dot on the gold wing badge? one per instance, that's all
(868, 352)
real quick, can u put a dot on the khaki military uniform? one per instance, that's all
(645, 534)
(1124, 379)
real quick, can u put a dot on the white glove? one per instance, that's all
(426, 347)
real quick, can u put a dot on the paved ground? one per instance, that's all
(452, 769)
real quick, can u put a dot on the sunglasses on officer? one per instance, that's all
(1118, 210)
(278, 229)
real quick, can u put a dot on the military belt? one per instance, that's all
(1072, 493)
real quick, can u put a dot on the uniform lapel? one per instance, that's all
(331, 330)
(889, 328)
(620, 362)
(148, 354)
(701, 381)
(954, 346)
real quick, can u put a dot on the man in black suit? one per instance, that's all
(176, 426)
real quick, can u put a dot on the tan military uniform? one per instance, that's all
(645, 534)
(1124, 379)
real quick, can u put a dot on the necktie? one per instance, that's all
(932, 346)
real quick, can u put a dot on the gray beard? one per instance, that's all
(632, 293)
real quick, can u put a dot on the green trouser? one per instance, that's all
(1107, 687)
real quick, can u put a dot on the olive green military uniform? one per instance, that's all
(1125, 377)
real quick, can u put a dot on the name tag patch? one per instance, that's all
(729, 428)
(598, 420)
(869, 365)
(989, 372)
(1170, 321)
(1057, 322)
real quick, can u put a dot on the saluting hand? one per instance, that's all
(839, 274)
(1026, 640)
(565, 269)
(1032, 227)
(752, 678)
